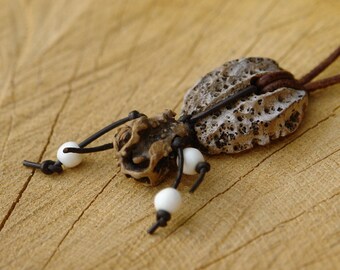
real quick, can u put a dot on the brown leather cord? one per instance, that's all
(273, 76)
(321, 67)
(289, 83)
(312, 86)
(274, 80)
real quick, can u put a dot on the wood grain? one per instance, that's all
(68, 68)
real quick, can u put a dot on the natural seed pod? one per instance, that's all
(256, 119)
(143, 146)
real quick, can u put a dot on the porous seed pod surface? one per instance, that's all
(254, 120)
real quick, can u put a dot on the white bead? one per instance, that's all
(192, 157)
(168, 199)
(69, 160)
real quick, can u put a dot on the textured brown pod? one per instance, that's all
(143, 146)
(253, 120)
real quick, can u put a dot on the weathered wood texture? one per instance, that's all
(70, 67)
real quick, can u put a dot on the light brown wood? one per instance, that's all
(68, 68)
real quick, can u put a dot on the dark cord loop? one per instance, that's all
(47, 166)
(180, 167)
(177, 145)
(162, 218)
(321, 67)
(89, 149)
(132, 115)
(202, 168)
(50, 166)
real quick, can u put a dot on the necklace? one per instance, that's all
(243, 103)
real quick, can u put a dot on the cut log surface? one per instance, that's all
(68, 68)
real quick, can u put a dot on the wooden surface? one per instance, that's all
(68, 68)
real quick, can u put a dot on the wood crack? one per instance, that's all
(318, 161)
(252, 240)
(11, 209)
(266, 233)
(243, 213)
(28, 180)
(78, 219)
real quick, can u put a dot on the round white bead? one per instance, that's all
(192, 157)
(168, 199)
(69, 160)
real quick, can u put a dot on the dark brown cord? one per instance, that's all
(312, 86)
(49, 167)
(274, 80)
(88, 149)
(268, 78)
(321, 67)
(290, 83)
